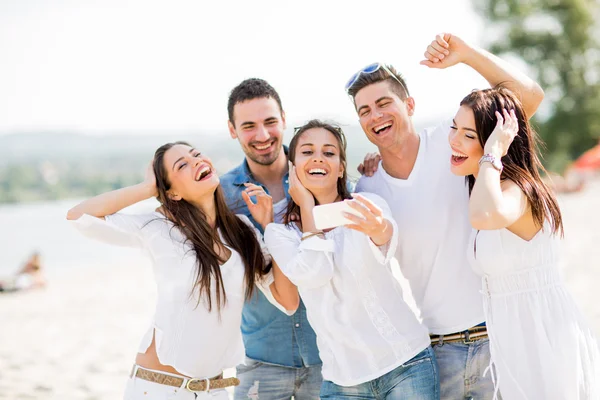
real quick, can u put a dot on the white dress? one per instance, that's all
(541, 346)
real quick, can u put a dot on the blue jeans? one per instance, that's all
(262, 381)
(416, 379)
(461, 367)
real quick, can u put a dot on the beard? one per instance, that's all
(264, 159)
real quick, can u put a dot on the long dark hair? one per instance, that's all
(336, 131)
(521, 163)
(192, 222)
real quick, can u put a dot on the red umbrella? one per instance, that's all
(590, 160)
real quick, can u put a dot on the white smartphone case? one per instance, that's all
(330, 215)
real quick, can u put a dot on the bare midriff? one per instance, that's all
(149, 360)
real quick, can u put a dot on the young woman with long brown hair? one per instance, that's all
(207, 262)
(371, 344)
(541, 346)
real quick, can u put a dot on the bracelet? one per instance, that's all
(307, 235)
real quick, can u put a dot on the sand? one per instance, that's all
(77, 339)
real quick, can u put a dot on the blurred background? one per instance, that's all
(89, 89)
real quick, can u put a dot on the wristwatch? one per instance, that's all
(496, 163)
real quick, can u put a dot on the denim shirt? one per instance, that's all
(269, 335)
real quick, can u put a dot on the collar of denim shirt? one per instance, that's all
(244, 175)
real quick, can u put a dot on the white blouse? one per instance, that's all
(355, 305)
(188, 337)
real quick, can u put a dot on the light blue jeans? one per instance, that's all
(461, 367)
(416, 379)
(262, 381)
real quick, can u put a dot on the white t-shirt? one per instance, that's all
(364, 328)
(279, 210)
(431, 209)
(188, 337)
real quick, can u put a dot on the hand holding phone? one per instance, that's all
(332, 215)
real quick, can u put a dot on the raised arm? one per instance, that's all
(116, 200)
(495, 204)
(447, 50)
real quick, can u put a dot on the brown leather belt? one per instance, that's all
(469, 336)
(193, 384)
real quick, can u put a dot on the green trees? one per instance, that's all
(559, 40)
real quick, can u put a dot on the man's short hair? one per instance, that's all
(249, 89)
(397, 82)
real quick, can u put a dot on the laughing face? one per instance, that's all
(191, 174)
(317, 160)
(383, 116)
(463, 138)
(259, 125)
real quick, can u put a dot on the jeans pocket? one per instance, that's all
(425, 355)
(248, 365)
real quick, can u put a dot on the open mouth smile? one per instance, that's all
(383, 128)
(317, 172)
(203, 172)
(263, 146)
(457, 157)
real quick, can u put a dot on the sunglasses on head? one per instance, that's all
(369, 69)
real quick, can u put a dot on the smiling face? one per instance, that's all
(317, 160)
(258, 125)
(384, 117)
(466, 148)
(191, 175)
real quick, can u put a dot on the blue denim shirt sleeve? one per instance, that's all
(269, 335)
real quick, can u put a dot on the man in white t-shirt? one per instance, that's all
(430, 206)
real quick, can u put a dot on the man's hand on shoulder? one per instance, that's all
(445, 51)
(370, 164)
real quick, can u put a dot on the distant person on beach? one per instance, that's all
(430, 206)
(207, 262)
(282, 359)
(30, 276)
(371, 343)
(540, 344)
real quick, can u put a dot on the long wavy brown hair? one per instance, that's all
(342, 188)
(522, 164)
(203, 238)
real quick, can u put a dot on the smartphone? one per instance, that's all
(330, 215)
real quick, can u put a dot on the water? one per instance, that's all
(25, 228)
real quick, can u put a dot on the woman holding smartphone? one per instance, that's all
(206, 262)
(370, 342)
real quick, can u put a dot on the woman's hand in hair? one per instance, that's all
(262, 210)
(150, 179)
(301, 195)
(372, 222)
(505, 132)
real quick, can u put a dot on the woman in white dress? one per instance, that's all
(206, 263)
(371, 344)
(540, 344)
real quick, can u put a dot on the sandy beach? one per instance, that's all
(77, 339)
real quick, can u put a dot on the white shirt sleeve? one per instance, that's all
(307, 263)
(117, 229)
